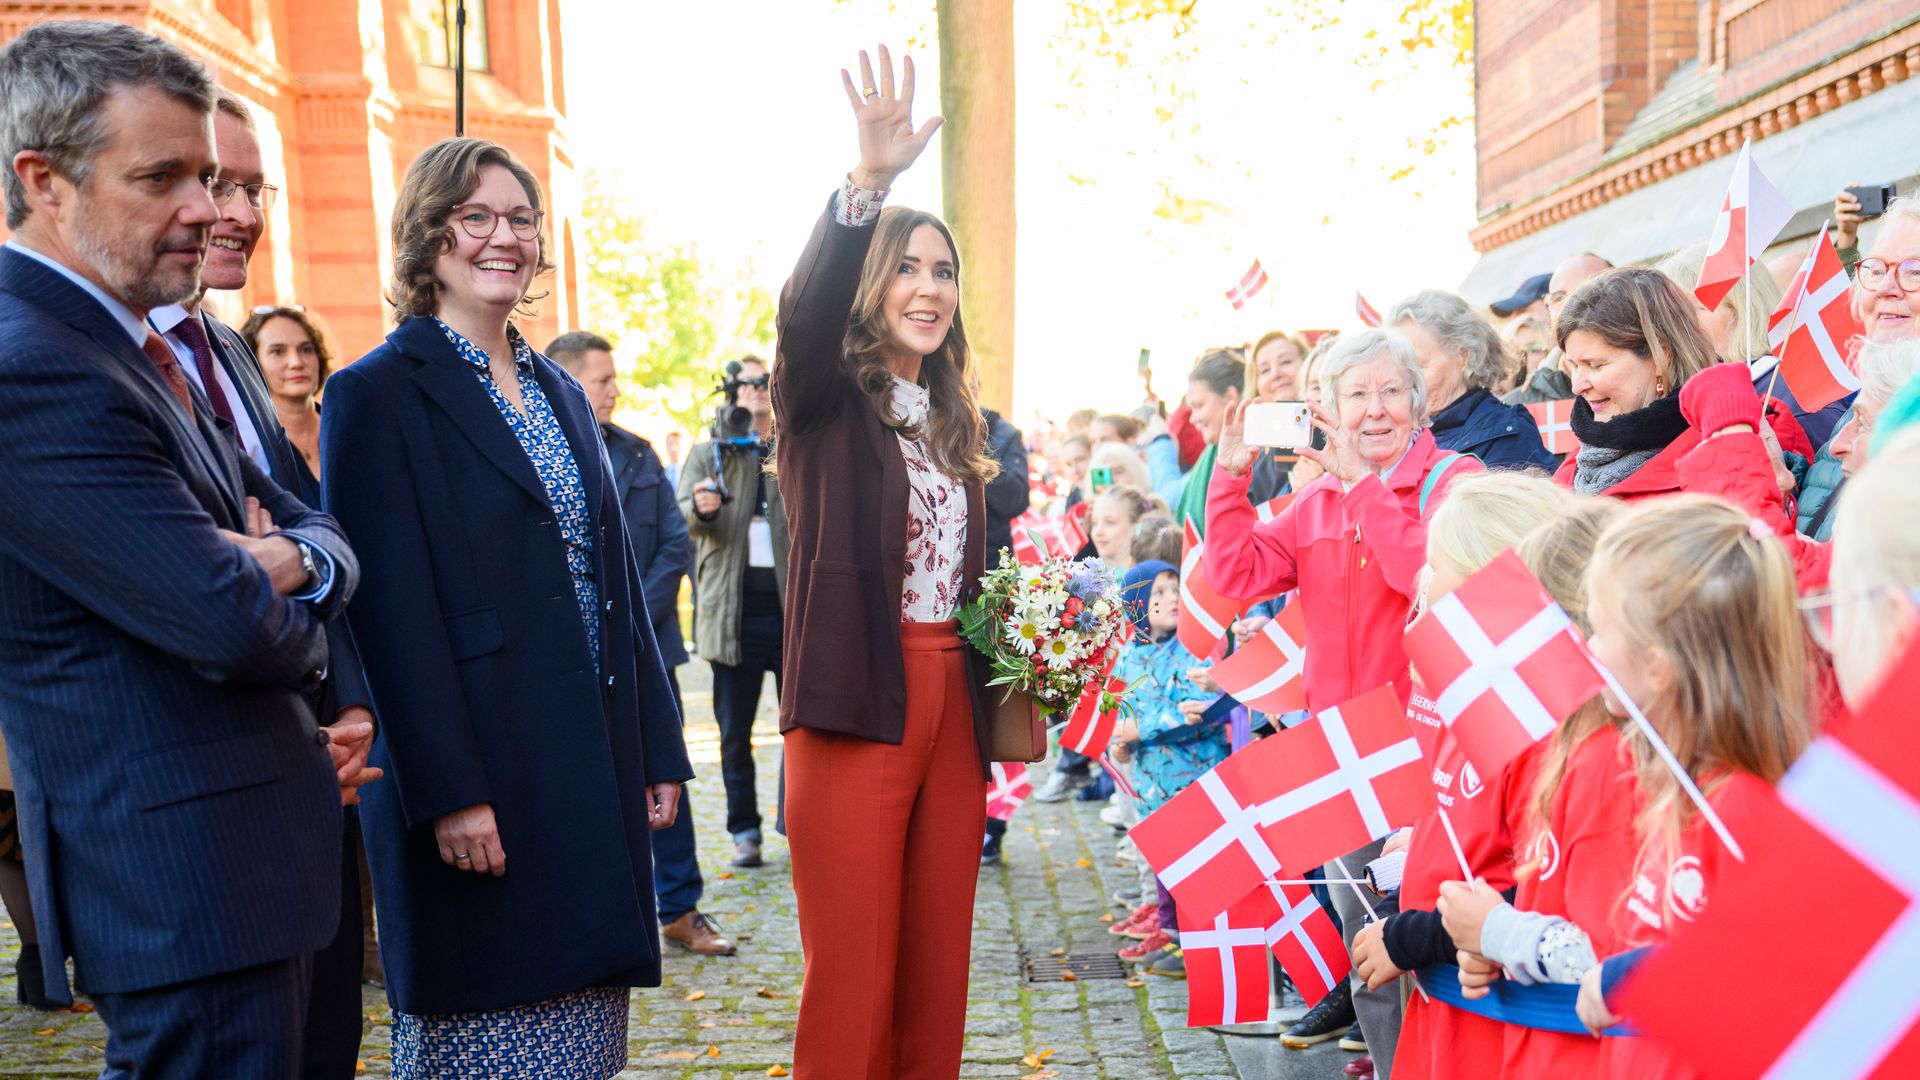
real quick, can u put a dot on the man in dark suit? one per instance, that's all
(221, 366)
(162, 601)
(664, 555)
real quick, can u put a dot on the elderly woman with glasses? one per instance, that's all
(527, 728)
(1352, 543)
(1465, 363)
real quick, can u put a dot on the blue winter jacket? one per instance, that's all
(1501, 436)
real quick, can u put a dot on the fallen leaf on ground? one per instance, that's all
(359, 1066)
(1036, 1059)
(1067, 975)
(678, 1055)
(1084, 863)
(767, 992)
(697, 995)
(1058, 952)
(752, 907)
(726, 875)
(1136, 983)
(1108, 917)
(712, 1050)
(44, 1031)
(80, 1007)
(775, 1070)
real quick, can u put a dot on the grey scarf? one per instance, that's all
(1598, 468)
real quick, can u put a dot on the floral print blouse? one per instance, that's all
(546, 446)
(936, 520)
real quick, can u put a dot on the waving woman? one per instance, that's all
(881, 466)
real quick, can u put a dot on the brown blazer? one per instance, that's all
(845, 488)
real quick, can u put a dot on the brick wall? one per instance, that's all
(1557, 82)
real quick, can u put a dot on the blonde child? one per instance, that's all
(1110, 523)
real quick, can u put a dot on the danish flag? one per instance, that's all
(1365, 310)
(1751, 215)
(1204, 613)
(1010, 787)
(1270, 509)
(1090, 728)
(1555, 420)
(1813, 327)
(1251, 282)
(1268, 672)
(1503, 662)
(1304, 940)
(1296, 799)
(1849, 812)
(1226, 956)
(1032, 530)
(1073, 527)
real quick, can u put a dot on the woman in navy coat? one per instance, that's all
(527, 730)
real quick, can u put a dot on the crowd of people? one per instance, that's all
(1703, 512)
(247, 638)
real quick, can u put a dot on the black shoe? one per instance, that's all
(30, 977)
(1328, 1020)
(1354, 1039)
(746, 853)
(990, 851)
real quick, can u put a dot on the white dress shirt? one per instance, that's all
(135, 327)
(165, 319)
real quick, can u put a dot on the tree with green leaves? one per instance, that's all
(673, 322)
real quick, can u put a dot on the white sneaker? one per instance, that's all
(1059, 785)
(1113, 816)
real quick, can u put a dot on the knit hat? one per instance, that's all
(1137, 588)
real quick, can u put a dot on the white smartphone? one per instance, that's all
(1286, 424)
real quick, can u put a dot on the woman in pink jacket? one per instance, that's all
(1353, 541)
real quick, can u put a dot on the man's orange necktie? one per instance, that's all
(169, 365)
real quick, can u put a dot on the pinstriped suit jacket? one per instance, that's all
(179, 816)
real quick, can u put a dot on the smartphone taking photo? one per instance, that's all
(1283, 424)
(1100, 478)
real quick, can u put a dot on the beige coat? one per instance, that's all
(720, 548)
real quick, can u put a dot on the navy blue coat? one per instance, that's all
(662, 548)
(1501, 436)
(179, 815)
(485, 691)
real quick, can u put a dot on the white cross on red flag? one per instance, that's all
(1073, 527)
(1037, 538)
(1270, 509)
(1205, 614)
(1812, 329)
(1751, 215)
(1268, 673)
(1555, 421)
(1839, 998)
(1090, 728)
(1365, 310)
(1503, 662)
(1251, 282)
(1228, 979)
(1305, 941)
(1297, 798)
(1009, 788)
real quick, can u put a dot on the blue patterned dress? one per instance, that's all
(581, 1036)
(1171, 753)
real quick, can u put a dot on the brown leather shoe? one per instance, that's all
(697, 933)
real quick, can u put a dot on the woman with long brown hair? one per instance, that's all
(882, 465)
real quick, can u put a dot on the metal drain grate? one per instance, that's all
(1046, 969)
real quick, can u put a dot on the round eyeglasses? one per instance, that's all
(480, 221)
(259, 196)
(1873, 274)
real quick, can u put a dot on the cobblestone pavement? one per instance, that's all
(733, 1016)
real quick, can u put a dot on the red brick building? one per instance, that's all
(346, 93)
(1611, 125)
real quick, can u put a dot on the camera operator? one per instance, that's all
(739, 530)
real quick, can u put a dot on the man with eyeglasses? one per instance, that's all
(739, 529)
(227, 374)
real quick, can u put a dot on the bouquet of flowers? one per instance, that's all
(1048, 629)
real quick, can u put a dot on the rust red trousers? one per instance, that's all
(886, 853)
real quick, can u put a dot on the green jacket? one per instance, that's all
(720, 548)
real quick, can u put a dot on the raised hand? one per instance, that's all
(888, 142)
(1341, 458)
(1235, 455)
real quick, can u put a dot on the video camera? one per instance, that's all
(732, 422)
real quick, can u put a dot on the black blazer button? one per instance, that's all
(322, 737)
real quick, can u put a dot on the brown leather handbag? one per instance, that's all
(1018, 731)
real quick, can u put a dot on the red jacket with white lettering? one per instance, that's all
(1354, 555)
